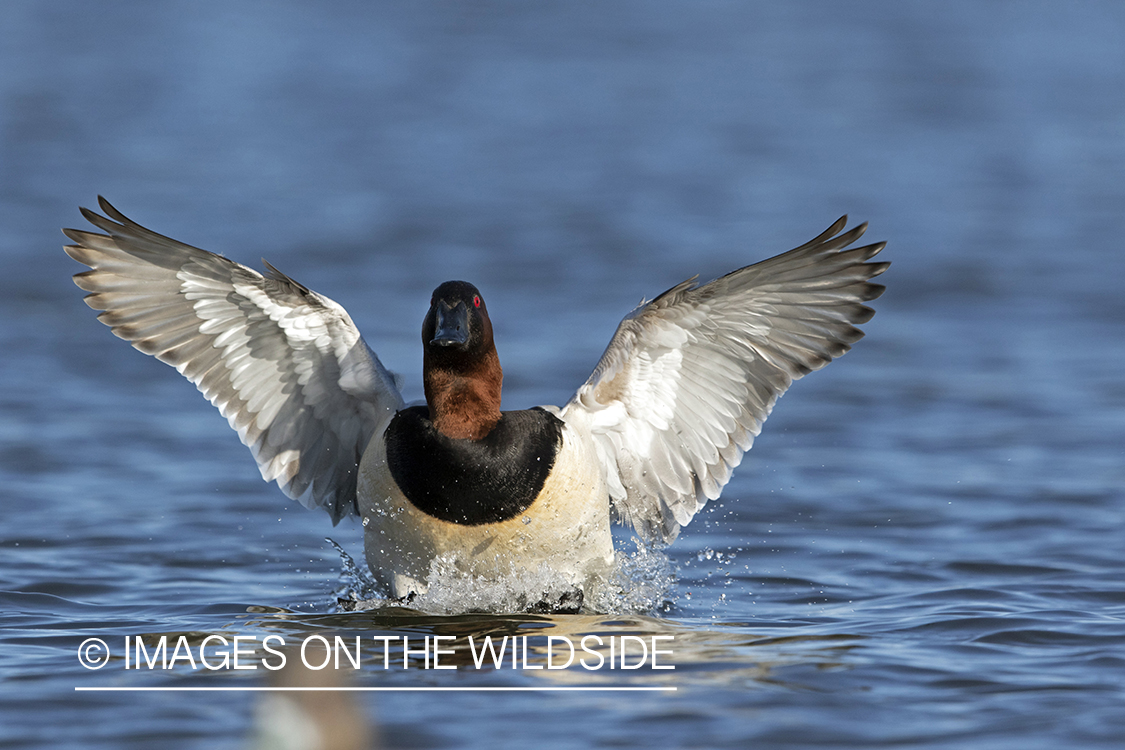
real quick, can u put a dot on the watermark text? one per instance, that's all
(218, 652)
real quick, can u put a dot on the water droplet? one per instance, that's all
(526, 520)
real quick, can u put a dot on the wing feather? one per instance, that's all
(688, 378)
(285, 365)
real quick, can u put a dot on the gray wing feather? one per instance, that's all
(285, 365)
(688, 378)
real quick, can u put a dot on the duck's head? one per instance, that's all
(461, 369)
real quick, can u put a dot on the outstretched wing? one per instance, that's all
(688, 379)
(285, 365)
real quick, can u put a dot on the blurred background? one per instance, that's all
(960, 471)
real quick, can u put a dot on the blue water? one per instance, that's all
(925, 547)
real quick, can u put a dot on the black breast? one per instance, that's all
(473, 482)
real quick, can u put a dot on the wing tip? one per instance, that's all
(276, 275)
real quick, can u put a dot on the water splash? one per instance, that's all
(640, 582)
(452, 591)
(356, 587)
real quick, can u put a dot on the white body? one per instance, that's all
(566, 529)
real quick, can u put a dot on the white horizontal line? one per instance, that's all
(266, 689)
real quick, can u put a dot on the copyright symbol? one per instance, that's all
(93, 653)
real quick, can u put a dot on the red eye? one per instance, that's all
(476, 300)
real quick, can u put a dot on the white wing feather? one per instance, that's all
(285, 365)
(688, 378)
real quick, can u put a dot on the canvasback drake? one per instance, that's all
(655, 432)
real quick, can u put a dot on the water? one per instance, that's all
(923, 549)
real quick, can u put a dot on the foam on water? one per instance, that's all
(640, 582)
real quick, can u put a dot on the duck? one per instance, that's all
(455, 482)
